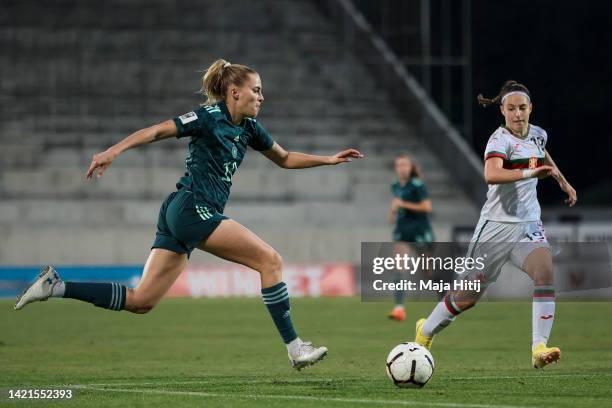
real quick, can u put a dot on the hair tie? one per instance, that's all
(226, 64)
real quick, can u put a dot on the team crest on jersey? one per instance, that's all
(533, 162)
(234, 152)
(188, 117)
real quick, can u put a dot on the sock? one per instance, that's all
(542, 313)
(399, 295)
(58, 289)
(443, 314)
(106, 295)
(276, 299)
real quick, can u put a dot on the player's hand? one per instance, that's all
(544, 171)
(345, 156)
(100, 161)
(396, 204)
(572, 198)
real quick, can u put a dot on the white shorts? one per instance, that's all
(499, 242)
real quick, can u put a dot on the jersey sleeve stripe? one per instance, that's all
(494, 153)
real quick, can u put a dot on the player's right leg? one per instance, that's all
(443, 314)
(492, 242)
(166, 262)
(232, 241)
(161, 270)
(398, 312)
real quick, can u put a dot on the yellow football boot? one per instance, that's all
(542, 355)
(420, 338)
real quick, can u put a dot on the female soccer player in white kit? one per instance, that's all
(509, 228)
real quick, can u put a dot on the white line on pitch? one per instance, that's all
(314, 380)
(511, 377)
(205, 381)
(294, 397)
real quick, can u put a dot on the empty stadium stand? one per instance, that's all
(80, 75)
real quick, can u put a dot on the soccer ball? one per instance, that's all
(410, 365)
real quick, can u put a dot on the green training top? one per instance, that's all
(216, 149)
(413, 191)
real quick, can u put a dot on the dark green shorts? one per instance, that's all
(418, 235)
(182, 225)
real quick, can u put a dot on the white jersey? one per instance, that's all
(518, 201)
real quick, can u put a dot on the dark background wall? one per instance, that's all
(559, 49)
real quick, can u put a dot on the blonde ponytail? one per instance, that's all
(219, 76)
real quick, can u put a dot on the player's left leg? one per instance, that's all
(538, 265)
(234, 242)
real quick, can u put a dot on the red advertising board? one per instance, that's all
(329, 279)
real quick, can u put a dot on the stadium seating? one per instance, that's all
(89, 73)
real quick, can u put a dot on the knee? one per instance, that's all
(143, 309)
(137, 303)
(466, 304)
(465, 300)
(273, 265)
(543, 276)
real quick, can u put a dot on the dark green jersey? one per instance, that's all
(413, 191)
(216, 149)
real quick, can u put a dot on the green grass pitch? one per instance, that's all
(226, 352)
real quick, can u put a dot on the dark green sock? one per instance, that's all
(399, 295)
(106, 295)
(276, 299)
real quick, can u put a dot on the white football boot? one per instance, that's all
(41, 289)
(306, 354)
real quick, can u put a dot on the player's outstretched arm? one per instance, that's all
(102, 160)
(563, 183)
(296, 160)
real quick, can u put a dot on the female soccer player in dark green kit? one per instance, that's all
(408, 211)
(192, 217)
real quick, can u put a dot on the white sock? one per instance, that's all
(542, 314)
(58, 289)
(440, 317)
(294, 346)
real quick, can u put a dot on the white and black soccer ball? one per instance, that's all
(410, 365)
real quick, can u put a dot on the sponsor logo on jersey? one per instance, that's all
(533, 162)
(188, 117)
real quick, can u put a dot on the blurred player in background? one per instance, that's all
(408, 212)
(192, 217)
(509, 227)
